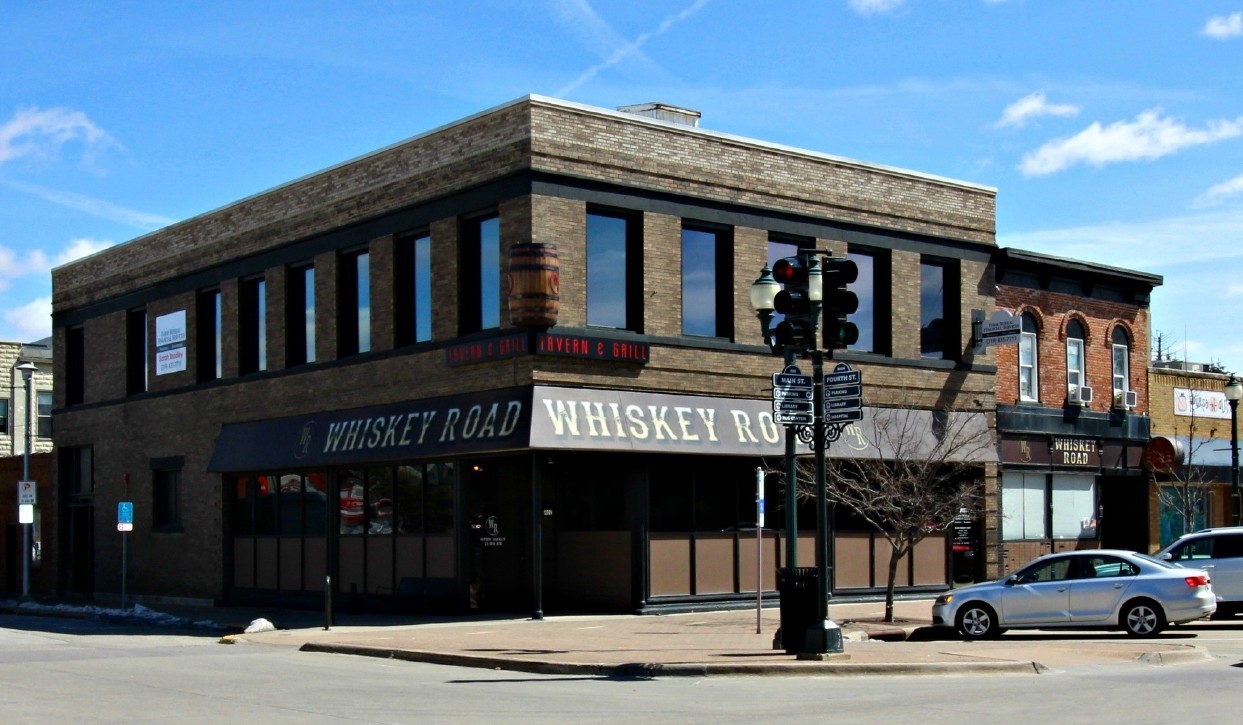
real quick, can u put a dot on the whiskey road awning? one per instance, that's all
(540, 418)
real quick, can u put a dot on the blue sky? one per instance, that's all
(1112, 131)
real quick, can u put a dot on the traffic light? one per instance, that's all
(837, 273)
(798, 300)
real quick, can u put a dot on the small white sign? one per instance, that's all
(27, 493)
(170, 330)
(26, 514)
(170, 361)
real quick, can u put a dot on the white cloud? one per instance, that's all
(94, 207)
(33, 320)
(1219, 192)
(1222, 28)
(875, 7)
(1033, 106)
(629, 49)
(41, 133)
(1150, 136)
(36, 261)
(1234, 290)
(80, 248)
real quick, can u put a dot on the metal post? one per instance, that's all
(823, 636)
(26, 376)
(791, 484)
(1234, 461)
(759, 547)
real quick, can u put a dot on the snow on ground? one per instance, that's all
(137, 614)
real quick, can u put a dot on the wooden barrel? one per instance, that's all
(533, 284)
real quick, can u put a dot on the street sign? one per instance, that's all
(793, 418)
(787, 393)
(27, 493)
(843, 377)
(793, 406)
(843, 391)
(125, 516)
(844, 416)
(791, 380)
(842, 404)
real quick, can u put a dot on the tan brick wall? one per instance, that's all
(662, 278)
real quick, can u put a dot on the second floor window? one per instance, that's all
(300, 311)
(932, 310)
(1121, 363)
(75, 366)
(207, 322)
(480, 274)
(872, 289)
(252, 327)
(1076, 363)
(43, 421)
(4, 415)
(1029, 361)
(706, 282)
(412, 289)
(613, 250)
(354, 304)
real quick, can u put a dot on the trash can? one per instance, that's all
(798, 587)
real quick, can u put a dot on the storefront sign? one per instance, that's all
(1072, 451)
(1201, 403)
(544, 417)
(553, 344)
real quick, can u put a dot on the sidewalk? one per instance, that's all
(714, 643)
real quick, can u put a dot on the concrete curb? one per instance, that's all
(1189, 654)
(638, 670)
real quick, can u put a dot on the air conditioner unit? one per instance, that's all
(1125, 399)
(1080, 394)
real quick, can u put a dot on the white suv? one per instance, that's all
(1220, 553)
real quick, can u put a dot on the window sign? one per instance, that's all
(170, 343)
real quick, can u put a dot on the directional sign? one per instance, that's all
(793, 418)
(792, 406)
(799, 393)
(842, 404)
(844, 416)
(844, 391)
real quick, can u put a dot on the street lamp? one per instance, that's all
(1234, 391)
(28, 368)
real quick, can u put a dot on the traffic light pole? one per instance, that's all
(791, 486)
(823, 636)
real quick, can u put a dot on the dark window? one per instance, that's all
(75, 365)
(614, 268)
(1228, 546)
(707, 282)
(938, 310)
(4, 415)
(252, 327)
(76, 469)
(166, 500)
(412, 289)
(1029, 358)
(872, 288)
(135, 352)
(480, 274)
(208, 334)
(300, 316)
(354, 304)
(43, 422)
(1076, 356)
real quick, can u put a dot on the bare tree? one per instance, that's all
(1184, 488)
(927, 468)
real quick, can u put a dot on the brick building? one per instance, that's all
(17, 405)
(1072, 406)
(1190, 417)
(325, 385)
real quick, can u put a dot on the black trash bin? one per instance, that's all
(799, 587)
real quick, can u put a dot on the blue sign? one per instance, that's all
(125, 516)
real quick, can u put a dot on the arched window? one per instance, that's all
(1122, 367)
(1076, 362)
(1029, 359)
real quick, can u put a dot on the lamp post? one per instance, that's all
(1234, 391)
(28, 369)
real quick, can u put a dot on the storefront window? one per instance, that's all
(380, 501)
(410, 499)
(441, 481)
(265, 506)
(351, 498)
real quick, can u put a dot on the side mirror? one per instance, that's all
(1012, 580)
(1167, 556)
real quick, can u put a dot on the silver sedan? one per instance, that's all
(1095, 588)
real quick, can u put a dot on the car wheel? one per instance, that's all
(1142, 618)
(977, 621)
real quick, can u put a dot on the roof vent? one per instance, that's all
(664, 112)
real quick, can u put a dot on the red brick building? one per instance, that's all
(1072, 406)
(325, 385)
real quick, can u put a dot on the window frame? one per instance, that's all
(479, 273)
(945, 344)
(722, 322)
(75, 365)
(300, 314)
(43, 421)
(412, 288)
(1120, 352)
(874, 315)
(354, 302)
(1029, 339)
(252, 326)
(1076, 377)
(600, 275)
(6, 417)
(209, 359)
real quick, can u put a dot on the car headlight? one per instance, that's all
(944, 599)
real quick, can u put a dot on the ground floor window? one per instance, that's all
(1048, 506)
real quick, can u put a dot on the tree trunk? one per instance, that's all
(896, 553)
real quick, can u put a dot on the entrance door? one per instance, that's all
(497, 500)
(80, 569)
